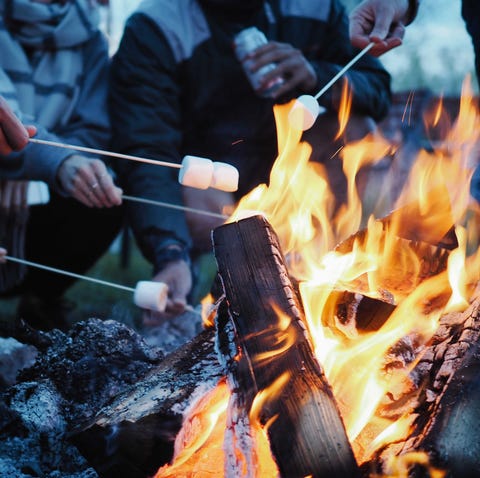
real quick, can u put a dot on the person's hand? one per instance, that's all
(88, 181)
(178, 277)
(378, 21)
(13, 195)
(13, 135)
(290, 64)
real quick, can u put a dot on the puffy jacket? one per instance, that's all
(177, 88)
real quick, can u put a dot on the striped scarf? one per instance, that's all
(41, 65)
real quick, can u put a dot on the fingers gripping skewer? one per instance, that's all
(306, 109)
(196, 172)
(147, 294)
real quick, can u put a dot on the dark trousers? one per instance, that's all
(66, 235)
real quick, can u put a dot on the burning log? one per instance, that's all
(134, 434)
(443, 397)
(306, 432)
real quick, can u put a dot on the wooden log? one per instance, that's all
(306, 432)
(410, 262)
(443, 398)
(134, 434)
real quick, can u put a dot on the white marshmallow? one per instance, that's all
(225, 177)
(151, 295)
(196, 172)
(304, 112)
(37, 193)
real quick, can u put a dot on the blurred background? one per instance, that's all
(437, 52)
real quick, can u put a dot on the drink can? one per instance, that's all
(246, 42)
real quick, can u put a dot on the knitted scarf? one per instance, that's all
(40, 62)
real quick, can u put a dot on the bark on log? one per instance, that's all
(444, 397)
(133, 436)
(307, 435)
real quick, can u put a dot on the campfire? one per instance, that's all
(340, 341)
(379, 303)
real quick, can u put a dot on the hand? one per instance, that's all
(178, 277)
(290, 64)
(13, 135)
(88, 181)
(13, 195)
(378, 21)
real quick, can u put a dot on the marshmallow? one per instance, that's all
(304, 112)
(225, 177)
(37, 193)
(151, 295)
(196, 172)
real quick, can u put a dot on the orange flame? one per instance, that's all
(396, 261)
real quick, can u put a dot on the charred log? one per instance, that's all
(443, 398)
(134, 434)
(273, 341)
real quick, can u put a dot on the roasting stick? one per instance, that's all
(344, 70)
(147, 294)
(306, 109)
(194, 171)
(174, 206)
(104, 153)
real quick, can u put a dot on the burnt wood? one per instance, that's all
(307, 435)
(443, 397)
(133, 435)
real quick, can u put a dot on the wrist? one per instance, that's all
(170, 252)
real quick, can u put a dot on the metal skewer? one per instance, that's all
(67, 273)
(105, 153)
(343, 70)
(82, 277)
(174, 206)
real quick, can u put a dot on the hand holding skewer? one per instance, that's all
(89, 181)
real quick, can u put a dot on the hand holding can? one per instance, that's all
(246, 42)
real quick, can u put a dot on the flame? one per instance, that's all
(400, 467)
(198, 446)
(344, 109)
(395, 261)
(389, 261)
(209, 308)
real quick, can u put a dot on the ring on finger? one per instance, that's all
(94, 185)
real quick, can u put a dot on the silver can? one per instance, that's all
(246, 42)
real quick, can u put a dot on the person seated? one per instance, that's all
(177, 88)
(54, 74)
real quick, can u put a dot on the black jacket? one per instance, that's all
(177, 89)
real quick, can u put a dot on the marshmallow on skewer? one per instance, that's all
(304, 112)
(225, 177)
(196, 172)
(151, 295)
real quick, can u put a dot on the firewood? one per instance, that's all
(133, 435)
(444, 397)
(306, 432)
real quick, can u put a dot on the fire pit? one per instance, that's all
(340, 345)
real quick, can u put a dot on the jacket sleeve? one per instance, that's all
(145, 106)
(88, 124)
(367, 78)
